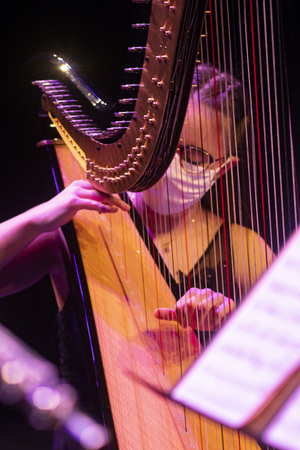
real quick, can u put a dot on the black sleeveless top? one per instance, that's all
(205, 274)
(219, 278)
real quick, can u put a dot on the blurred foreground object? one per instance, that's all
(31, 382)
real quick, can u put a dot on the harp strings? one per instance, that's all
(219, 148)
(250, 130)
(268, 87)
(287, 141)
(231, 132)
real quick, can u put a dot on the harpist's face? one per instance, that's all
(202, 130)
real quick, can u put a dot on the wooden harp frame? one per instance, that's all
(120, 281)
(116, 160)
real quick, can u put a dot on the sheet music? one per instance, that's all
(284, 431)
(254, 352)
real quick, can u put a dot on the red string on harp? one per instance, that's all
(187, 253)
(219, 154)
(258, 131)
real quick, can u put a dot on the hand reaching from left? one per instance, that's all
(17, 233)
(201, 309)
(77, 196)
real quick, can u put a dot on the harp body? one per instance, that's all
(125, 286)
(126, 271)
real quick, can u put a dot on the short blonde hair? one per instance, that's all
(219, 90)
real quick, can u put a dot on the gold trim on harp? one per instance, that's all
(74, 148)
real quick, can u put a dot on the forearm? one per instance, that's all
(16, 234)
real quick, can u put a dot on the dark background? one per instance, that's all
(93, 34)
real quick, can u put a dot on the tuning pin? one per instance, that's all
(91, 175)
(157, 82)
(120, 123)
(84, 129)
(136, 49)
(133, 69)
(123, 113)
(152, 102)
(65, 112)
(164, 31)
(41, 83)
(59, 96)
(65, 101)
(94, 134)
(76, 116)
(140, 26)
(125, 101)
(128, 87)
(98, 168)
(161, 57)
(169, 5)
(77, 122)
(115, 129)
(64, 106)
(52, 91)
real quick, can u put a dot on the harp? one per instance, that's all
(127, 266)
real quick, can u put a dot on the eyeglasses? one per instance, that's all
(194, 157)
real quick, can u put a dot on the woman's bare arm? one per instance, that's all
(17, 233)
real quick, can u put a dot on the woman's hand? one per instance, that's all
(77, 196)
(201, 309)
(17, 233)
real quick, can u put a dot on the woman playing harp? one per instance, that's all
(212, 146)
